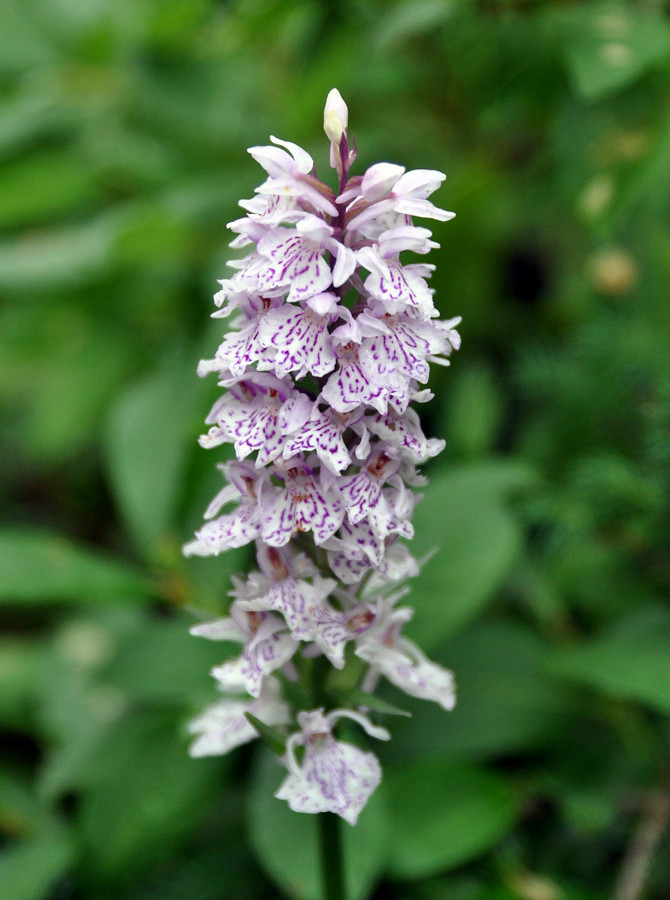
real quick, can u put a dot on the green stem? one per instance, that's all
(330, 836)
(330, 849)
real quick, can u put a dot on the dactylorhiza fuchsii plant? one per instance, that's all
(326, 356)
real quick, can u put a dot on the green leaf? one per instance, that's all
(74, 712)
(407, 20)
(444, 815)
(474, 412)
(44, 567)
(43, 185)
(65, 406)
(505, 701)
(462, 516)
(631, 661)
(145, 795)
(286, 842)
(148, 441)
(56, 259)
(21, 667)
(272, 736)
(161, 663)
(21, 814)
(611, 45)
(376, 704)
(29, 871)
(28, 115)
(23, 45)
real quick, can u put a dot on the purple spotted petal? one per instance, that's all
(293, 261)
(228, 531)
(268, 649)
(223, 726)
(301, 506)
(334, 777)
(349, 387)
(323, 435)
(300, 339)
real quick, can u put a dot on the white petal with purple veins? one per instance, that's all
(266, 650)
(223, 726)
(334, 777)
(300, 340)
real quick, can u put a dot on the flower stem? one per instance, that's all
(329, 825)
(332, 863)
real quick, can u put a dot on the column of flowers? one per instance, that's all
(326, 357)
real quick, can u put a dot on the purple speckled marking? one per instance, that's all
(402, 352)
(244, 348)
(400, 431)
(300, 339)
(268, 650)
(334, 777)
(331, 632)
(293, 260)
(301, 506)
(323, 435)
(402, 286)
(360, 493)
(231, 530)
(348, 387)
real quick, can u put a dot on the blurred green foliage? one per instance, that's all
(122, 136)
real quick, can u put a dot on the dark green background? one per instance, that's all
(123, 128)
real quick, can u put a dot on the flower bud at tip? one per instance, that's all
(335, 117)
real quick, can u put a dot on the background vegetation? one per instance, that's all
(123, 129)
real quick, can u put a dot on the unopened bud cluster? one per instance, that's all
(328, 349)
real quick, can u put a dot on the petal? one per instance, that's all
(348, 387)
(326, 439)
(379, 179)
(331, 633)
(303, 160)
(413, 207)
(301, 339)
(337, 778)
(419, 183)
(225, 629)
(317, 511)
(345, 264)
(232, 530)
(360, 492)
(221, 727)
(259, 659)
(277, 163)
(278, 518)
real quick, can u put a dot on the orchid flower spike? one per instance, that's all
(331, 338)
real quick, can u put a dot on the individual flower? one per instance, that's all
(287, 584)
(334, 776)
(294, 259)
(300, 336)
(256, 415)
(268, 644)
(239, 527)
(303, 504)
(402, 661)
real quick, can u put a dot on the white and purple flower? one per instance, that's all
(329, 347)
(334, 776)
